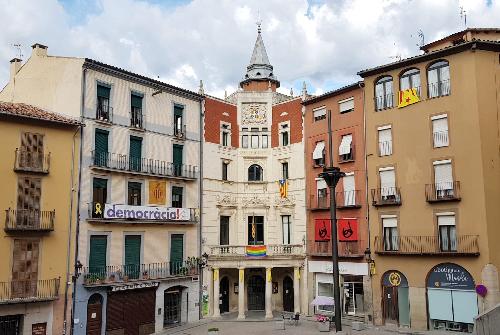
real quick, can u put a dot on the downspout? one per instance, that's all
(77, 244)
(200, 298)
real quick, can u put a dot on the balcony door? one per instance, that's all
(99, 196)
(97, 256)
(29, 190)
(101, 147)
(349, 187)
(31, 154)
(176, 253)
(132, 256)
(255, 230)
(25, 268)
(224, 230)
(135, 153)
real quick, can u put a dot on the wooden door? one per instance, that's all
(94, 314)
(29, 190)
(390, 304)
(224, 295)
(131, 311)
(132, 256)
(256, 293)
(288, 301)
(25, 268)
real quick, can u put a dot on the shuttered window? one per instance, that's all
(178, 113)
(101, 147)
(103, 91)
(346, 106)
(31, 153)
(97, 256)
(319, 114)
(443, 175)
(176, 252)
(385, 140)
(345, 145)
(177, 159)
(29, 191)
(135, 153)
(132, 255)
(25, 267)
(349, 190)
(387, 181)
(136, 101)
(440, 131)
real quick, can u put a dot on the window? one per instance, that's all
(383, 93)
(284, 134)
(176, 253)
(177, 196)
(264, 141)
(391, 237)
(103, 109)
(345, 148)
(255, 230)
(132, 256)
(438, 78)
(97, 255)
(255, 173)
(225, 135)
(25, 259)
(284, 170)
(319, 154)
(101, 154)
(135, 162)
(99, 196)
(322, 193)
(319, 114)
(178, 123)
(349, 190)
(136, 120)
(410, 79)
(177, 159)
(384, 141)
(30, 155)
(388, 184)
(29, 190)
(443, 179)
(440, 131)
(447, 231)
(244, 141)
(255, 141)
(346, 106)
(225, 138)
(134, 193)
(224, 230)
(287, 228)
(224, 170)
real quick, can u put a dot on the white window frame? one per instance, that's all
(284, 127)
(225, 128)
(289, 225)
(319, 113)
(385, 147)
(440, 141)
(349, 102)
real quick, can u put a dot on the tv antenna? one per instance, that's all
(19, 52)
(422, 38)
(463, 15)
(397, 56)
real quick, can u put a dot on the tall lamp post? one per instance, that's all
(332, 175)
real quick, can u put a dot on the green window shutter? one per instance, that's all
(132, 255)
(103, 91)
(176, 253)
(177, 155)
(178, 111)
(101, 147)
(135, 153)
(97, 258)
(100, 183)
(136, 101)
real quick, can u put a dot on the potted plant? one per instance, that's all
(112, 277)
(145, 275)
(125, 278)
(213, 331)
(323, 323)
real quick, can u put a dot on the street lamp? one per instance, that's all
(332, 175)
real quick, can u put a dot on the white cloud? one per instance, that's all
(324, 44)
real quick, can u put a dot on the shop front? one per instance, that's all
(395, 299)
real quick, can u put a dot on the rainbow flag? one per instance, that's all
(256, 250)
(283, 188)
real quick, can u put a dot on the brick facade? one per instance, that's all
(215, 111)
(287, 111)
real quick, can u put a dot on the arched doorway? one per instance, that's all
(451, 298)
(94, 314)
(224, 295)
(256, 293)
(288, 294)
(395, 301)
(172, 306)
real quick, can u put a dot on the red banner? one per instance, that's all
(322, 230)
(347, 229)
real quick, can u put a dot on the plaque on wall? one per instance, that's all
(39, 328)
(253, 113)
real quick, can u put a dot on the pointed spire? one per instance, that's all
(259, 55)
(201, 91)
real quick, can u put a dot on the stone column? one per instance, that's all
(216, 293)
(241, 294)
(269, 294)
(296, 289)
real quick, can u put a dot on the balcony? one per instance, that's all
(439, 88)
(276, 250)
(386, 196)
(348, 199)
(347, 157)
(29, 220)
(22, 291)
(347, 249)
(109, 161)
(120, 274)
(384, 101)
(136, 118)
(104, 113)
(180, 132)
(319, 203)
(29, 161)
(124, 214)
(446, 191)
(464, 245)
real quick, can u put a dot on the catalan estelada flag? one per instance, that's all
(256, 250)
(408, 97)
(283, 188)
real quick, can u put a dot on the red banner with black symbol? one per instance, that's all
(322, 230)
(347, 229)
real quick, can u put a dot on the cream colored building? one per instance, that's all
(138, 236)
(254, 139)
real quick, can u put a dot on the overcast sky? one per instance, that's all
(323, 43)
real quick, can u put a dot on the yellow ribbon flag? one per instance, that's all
(268, 275)
(408, 97)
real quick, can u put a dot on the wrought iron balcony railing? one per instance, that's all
(115, 274)
(271, 250)
(349, 157)
(19, 291)
(104, 113)
(348, 199)
(347, 249)
(119, 162)
(17, 220)
(386, 196)
(319, 203)
(384, 101)
(136, 118)
(29, 161)
(446, 191)
(427, 245)
(439, 88)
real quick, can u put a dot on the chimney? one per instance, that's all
(15, 65)
(39, 50)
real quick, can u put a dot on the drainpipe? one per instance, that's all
(200, 298)
(77, 244)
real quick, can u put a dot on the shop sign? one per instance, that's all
(154, 213)
(134, 286)
(394, 278)
(345, 268)
(322, 230)
(450, 276)
(347, 229)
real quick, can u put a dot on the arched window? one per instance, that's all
(383, 93)
(410, 79)
(438, 79)
(254, 173)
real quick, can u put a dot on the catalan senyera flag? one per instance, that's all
(256, 250)
(408, 97)
(283, 188)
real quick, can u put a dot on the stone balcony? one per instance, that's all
(271, 251)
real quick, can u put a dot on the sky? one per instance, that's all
(322, 43)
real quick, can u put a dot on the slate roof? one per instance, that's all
(22, 110)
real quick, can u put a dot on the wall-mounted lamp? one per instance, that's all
(370, 261)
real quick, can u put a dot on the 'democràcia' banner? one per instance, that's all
(113, 211)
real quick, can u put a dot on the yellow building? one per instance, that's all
(39, 178)
(433, 172)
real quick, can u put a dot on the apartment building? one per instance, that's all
(254, 229)
(137, 263)
(39, 177)
(345, 106)
(433, 173)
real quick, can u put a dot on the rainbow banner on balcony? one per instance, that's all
(256, 250)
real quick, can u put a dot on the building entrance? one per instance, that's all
(395, 302)
(256, 293)
(224, 295)
(10, 324)
(288, 294)
(172, 306)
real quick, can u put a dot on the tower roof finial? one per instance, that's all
(259, 22)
